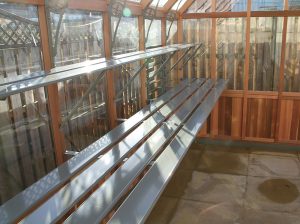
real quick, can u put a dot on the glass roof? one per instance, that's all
(161, 3)
(178, 4)
(137, 1)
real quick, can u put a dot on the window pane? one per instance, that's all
(200, 6)
(265, 51)
(198, 31)
(153, 36)
(267, 5)
(160, 3)
(292, 56)
(178, 4)
(26, 149)
(77, 37)
(230, 50)
(294, 4)
(231, 6)
(127, 36)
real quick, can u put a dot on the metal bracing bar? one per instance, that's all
(163, 65)
(155, 10)
(182, 56)
(168, 34)
(118, 23)
(131, 80)
(87, 92)
(191, 56)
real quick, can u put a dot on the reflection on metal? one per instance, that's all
(98, 209)
(63, 75)
(18, 32)
(15, 208)
(137, 206)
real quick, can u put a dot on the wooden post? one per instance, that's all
(215, 112)
(141, 24)
(281, 73)
(163, 32)
(180, 41)
(110, 87)
(52, 90)
(246, 69)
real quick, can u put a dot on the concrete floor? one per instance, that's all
(217, 184)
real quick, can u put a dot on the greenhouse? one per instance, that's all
(150, 111)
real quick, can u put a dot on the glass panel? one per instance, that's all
(178, 4)
(86, 123)
(161, 3)
(171, 30)
(198, 31)
(267, 5)
(231, 6)
(79, 37)
(265, 51)
(26, 149)
(200, 6)
(128, 99)
(294, 4)
(230, 50)
(127, 36)
(292, 56)
(153, 36)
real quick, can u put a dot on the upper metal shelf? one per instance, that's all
(42, 78)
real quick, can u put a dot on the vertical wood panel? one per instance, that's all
(51, 89)
(215, 111)
(110, 88)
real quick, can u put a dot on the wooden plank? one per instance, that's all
(185, 6)
(214, 15)
(179, 54)
(237, 115)
(214, 113)
(246, 73)
(51, 89)
(281, 72)
(168, 5)
(111, 107)
(163, 31)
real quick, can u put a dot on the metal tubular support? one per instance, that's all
(163, 65)
(118, 12)
(131, 80)
(152, 17)
(182, 56)
(87, 92)
(191, 56)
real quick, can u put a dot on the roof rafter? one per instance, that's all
(169, 4)
(185, 6)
